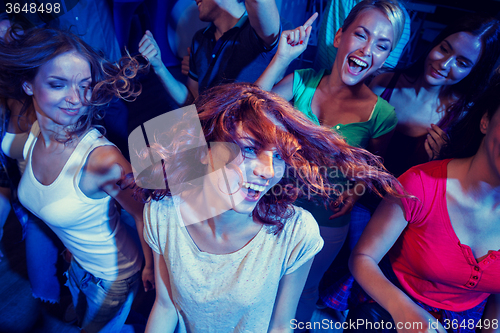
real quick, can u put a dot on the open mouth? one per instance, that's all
(253, 190)
(356, 65)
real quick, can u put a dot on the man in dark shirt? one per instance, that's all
(237, 46)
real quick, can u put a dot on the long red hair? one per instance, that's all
(308, 150)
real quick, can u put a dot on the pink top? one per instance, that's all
(428, 259)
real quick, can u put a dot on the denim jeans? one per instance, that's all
(45, 266)
(101, 305)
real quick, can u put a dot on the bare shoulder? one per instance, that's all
(457, 168)
(107, 163)
(380, 82)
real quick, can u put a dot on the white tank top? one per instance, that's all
(13, 146)
(89, 228)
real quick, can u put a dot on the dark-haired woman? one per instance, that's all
(231, 252)
(72, 171)
(444, 244)
(433, 93)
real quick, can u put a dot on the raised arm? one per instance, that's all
(264, 18)
(163, 316)
(107, 167)
(289, 291)
(292, 44)
(384, 228)
(182, 94)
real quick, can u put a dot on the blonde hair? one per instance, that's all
(390, 8)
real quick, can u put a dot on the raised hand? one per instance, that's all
(294, 42)
(150, 50)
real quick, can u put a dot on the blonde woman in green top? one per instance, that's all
(339, 99)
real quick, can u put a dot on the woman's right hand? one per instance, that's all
(294, 42)
(436, 141)
(414, 319)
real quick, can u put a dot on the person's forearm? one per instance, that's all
(161, 320)
(148, 253)
(273, 73)
(264, 18)
(369, 276)
(176, 89)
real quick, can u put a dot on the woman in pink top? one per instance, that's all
(443, 245)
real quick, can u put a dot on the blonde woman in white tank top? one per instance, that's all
(73, 176)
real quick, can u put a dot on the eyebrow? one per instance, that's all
(384, 39)
(461, 56)
(249, 140)
(64, 79)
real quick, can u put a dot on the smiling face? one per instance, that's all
(453, 59)
(262, 168)
(58, 88)
(363, 47)
(248, 176)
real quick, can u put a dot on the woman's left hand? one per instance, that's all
(437, 139)
(148, 278)
(344, 203)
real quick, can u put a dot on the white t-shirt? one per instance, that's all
(232, 292)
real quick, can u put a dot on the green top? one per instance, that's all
(382, 120)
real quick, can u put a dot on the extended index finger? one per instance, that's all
(310, 21)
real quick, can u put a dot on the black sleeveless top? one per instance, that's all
(403, 151)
